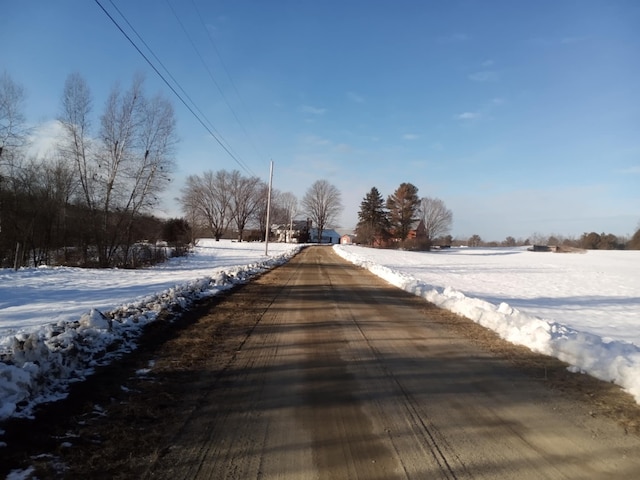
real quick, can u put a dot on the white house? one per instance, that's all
(291, 233)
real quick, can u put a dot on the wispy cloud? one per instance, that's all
(410, 136)
(343, 148)
(314, 140)
(354, 97)
(551, 41)
(483, 112)
(312, 110)
(487, 63)
(484, 76)
(468, 116)
(634, 170)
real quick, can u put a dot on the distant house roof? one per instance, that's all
(328, 236)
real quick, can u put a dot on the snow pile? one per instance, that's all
(41, 359)
(582, 309)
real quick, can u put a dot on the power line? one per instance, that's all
(197, 117)
(170, 75)
(226, 70)
(211, 76)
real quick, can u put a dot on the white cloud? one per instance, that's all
(410, 136)
(469, 116)
(484, 76)
(312, 110)
(487, 63)
(44, 137)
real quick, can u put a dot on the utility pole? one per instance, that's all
(266, 235)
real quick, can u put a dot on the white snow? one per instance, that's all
(58, 324)
(581, 308)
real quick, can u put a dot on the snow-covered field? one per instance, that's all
(53, 328)
(581, 308)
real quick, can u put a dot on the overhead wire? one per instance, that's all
(171, 76)
(226, 71)
(211, 75)
(217, 138)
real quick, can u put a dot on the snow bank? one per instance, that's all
(598, 355)
(38, 363)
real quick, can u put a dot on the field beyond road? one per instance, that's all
(318, 369)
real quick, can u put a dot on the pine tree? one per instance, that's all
(403, 207)
(373, 221)
(634, 243)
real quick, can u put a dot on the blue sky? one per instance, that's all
(523, 117)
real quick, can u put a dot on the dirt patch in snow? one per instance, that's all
(116, 424)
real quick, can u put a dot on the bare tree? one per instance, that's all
(126, 167)
(245, 199)
(284, 206)
(475, 241)
(436, 216)
(509, 242)
(260, 214)
(289, 204)
(206, 200)
(13, 129)
(322, 203)
(13, 137)
(149, 172)
(76, 143)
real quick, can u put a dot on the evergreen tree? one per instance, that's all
(373, 221)
(403, 206)
(634, 243)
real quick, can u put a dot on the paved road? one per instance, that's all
(345, 377)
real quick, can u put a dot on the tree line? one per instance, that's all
(404, 219)
(586, 241)
(223, 203)
(88, 201)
